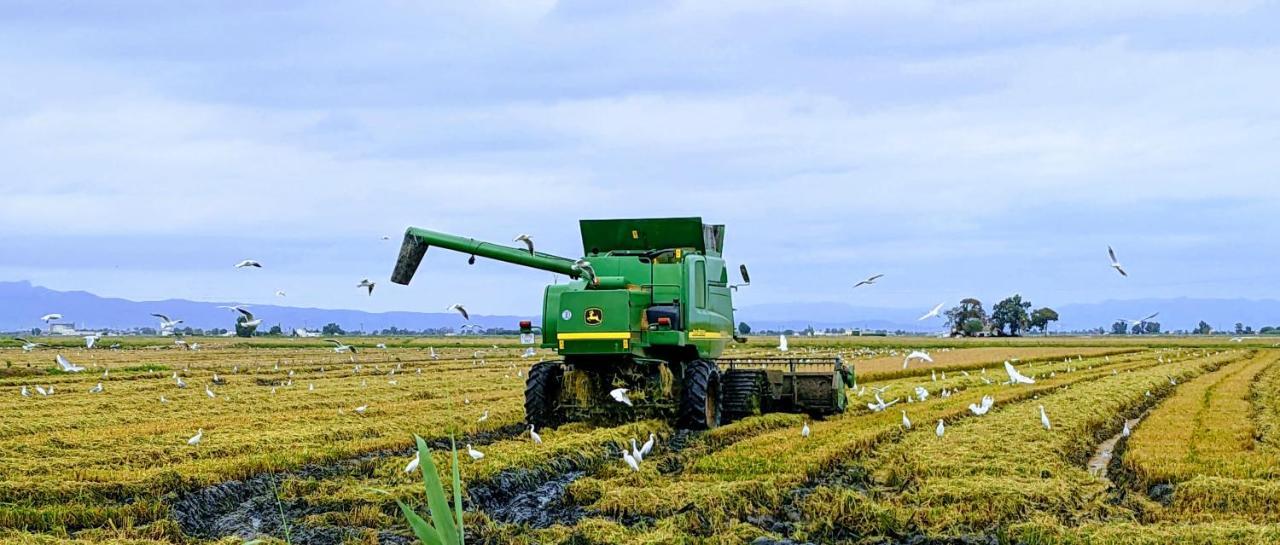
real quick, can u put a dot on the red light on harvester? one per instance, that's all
(664, 321)
(525, 324)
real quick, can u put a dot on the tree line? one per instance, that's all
(1010, 317)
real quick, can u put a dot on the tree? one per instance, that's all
(35, 331)
(332, 329)
(1011, 314)
(969, 309)
(1150, 328)
(1239, 328)
(243, 330)
(1203, 329)
(973, 326)
(743, 328)
(1120, 328)
(275, 330)
(1041, 317)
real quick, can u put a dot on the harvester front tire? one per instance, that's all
(700, 403)
(541, 390)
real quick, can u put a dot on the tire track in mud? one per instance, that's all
(248, 508)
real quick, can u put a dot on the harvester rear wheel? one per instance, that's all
(743, 393)
(541, 390)
(700, 396)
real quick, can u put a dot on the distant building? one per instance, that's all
(63, 329)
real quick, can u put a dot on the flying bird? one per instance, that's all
(339, 348)
(165, 322)
(987, 403)
(527, 240)
(1139, 321)
(460, 310)
(50, 317)
(27, 346)
(90, 340)
(583, 267)
(620, 395)
(916, 355)
(869, 281)
(475, 454)
(280, 293)
(365, 283)
(66, 365)
(1015, 377)
(248, 263)
(932, 313)
(1115, 263)
(195, 439)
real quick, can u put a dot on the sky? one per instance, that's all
(963, 149)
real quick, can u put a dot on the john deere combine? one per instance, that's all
(649, 310)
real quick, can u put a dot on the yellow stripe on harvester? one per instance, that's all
(623, 336)
(704, 334)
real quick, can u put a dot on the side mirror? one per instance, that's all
(746, 278)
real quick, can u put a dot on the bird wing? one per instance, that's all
(1112, 253)
(162, 317)
(465, 316)
(371, 284)
(247, 315)
(335, 343)
(1150, 317)
(22, 340)
(1121, 271)
(874, 278)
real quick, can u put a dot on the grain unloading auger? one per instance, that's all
(649, 309)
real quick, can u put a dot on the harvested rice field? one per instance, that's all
(288, 441)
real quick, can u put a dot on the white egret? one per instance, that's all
(620, 395)
(906, 422)
(916, 355)
(365, 283)
(475, 454)
(1044, 419)
(248, 263)
(195, 439)
(66, 365)
(932, 313)
(458, 307)
(483, 417)
(1115, 263)
(1015, 377)
(804, 431)
(96, 389)
(527, 240)
(630, 460)
(413, 464)
(941, 429)
(537, 439)
(782, 343)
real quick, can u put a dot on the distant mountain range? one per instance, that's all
(21, 304)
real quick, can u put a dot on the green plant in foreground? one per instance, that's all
(444, 528)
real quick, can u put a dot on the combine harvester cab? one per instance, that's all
(649, 310)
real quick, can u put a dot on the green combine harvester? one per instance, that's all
(649, 309)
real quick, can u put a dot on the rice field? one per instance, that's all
(300, 444)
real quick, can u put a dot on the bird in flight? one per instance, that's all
(248, 317)
(462, 311)
(248, 263)
(27, 346)
(527, 240)
(1015, 377)
(280, 293)
(365, 283)
(987, 403)
(620, 395)
(165, 322)
(50, 317)
(1115, 263)
(67, 366)
(916, 355)
(869, 281)
(1139, 321)
(339, 348)
(932, 313)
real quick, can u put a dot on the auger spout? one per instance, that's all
(416, 242)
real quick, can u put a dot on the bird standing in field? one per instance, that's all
(365, 283)
(869, 281)
(1115, 263)
(906, 422)
(648, 445)
(527, 240)
(483, 417)
(248, 263)
(473, 453)
(25, 393)
(941, 429)
(620, 395)
(537, 439)
(1015, 377)
(96, 389)
(195, 439)
(782, 343)
(413, 464)
(804, 431)
(1126, 431)
(932, 313)
(90, 340)
(630, 460)
(361, 409)
(209, 392)
(458, 307)
(1044, 419)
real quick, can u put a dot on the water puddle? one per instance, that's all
(1102, 456)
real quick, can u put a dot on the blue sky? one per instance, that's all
(961, 148)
